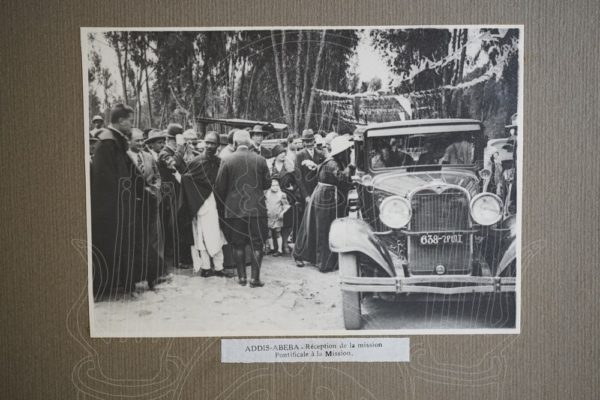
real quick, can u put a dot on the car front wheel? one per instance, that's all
(351, 300)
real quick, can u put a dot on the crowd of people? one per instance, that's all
(165, 199)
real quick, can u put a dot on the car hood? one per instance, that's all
(403, 183)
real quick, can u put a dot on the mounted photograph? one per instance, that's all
(278, 181)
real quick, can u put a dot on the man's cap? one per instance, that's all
(97, 118)
(174, 129)
(154, 135)
(212, 137)
(223, 139)
(340, 144)
(308, 134)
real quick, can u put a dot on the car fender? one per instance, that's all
(355, 235)
(510, 255)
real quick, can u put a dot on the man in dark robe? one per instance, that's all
(198, 215)
(327, 203)
(117, 197)
(171, 165)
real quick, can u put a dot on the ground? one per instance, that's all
(292, 300)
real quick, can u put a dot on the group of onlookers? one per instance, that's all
(163, 199)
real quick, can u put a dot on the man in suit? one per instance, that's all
(241, 181)
(258, 135)
(307, 161)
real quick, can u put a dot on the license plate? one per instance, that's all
(436, 238)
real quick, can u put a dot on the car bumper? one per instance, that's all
(444, 285)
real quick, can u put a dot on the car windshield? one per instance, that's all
(437, 149)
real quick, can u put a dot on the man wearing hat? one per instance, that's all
(155, 142)
(258, 135)
(98, 123)
(327, 203)
(307, 161)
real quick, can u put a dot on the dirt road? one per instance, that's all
(292, 300)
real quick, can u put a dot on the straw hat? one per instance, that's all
(155, 134)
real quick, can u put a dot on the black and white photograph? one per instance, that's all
(303, 180)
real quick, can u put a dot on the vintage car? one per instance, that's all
(419, 225)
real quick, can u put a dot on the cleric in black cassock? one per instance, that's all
(327, 203)
(120, 204)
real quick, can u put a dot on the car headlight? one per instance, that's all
(395, 212)
(486, 209)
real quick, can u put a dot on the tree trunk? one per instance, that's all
(122, 72)
(314, 81)
(231, 87)
(238, 103)
(126, 63)
(463, 55)
(286, 92)
(249, 95)
(150, 117)
(278, 73)
(297, 86)
(306, 68)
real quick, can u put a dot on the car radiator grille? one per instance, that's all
(442, 213)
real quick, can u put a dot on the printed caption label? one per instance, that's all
(315, 350)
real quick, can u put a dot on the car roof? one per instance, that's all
(423, 126)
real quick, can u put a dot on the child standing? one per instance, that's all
(277, 205)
